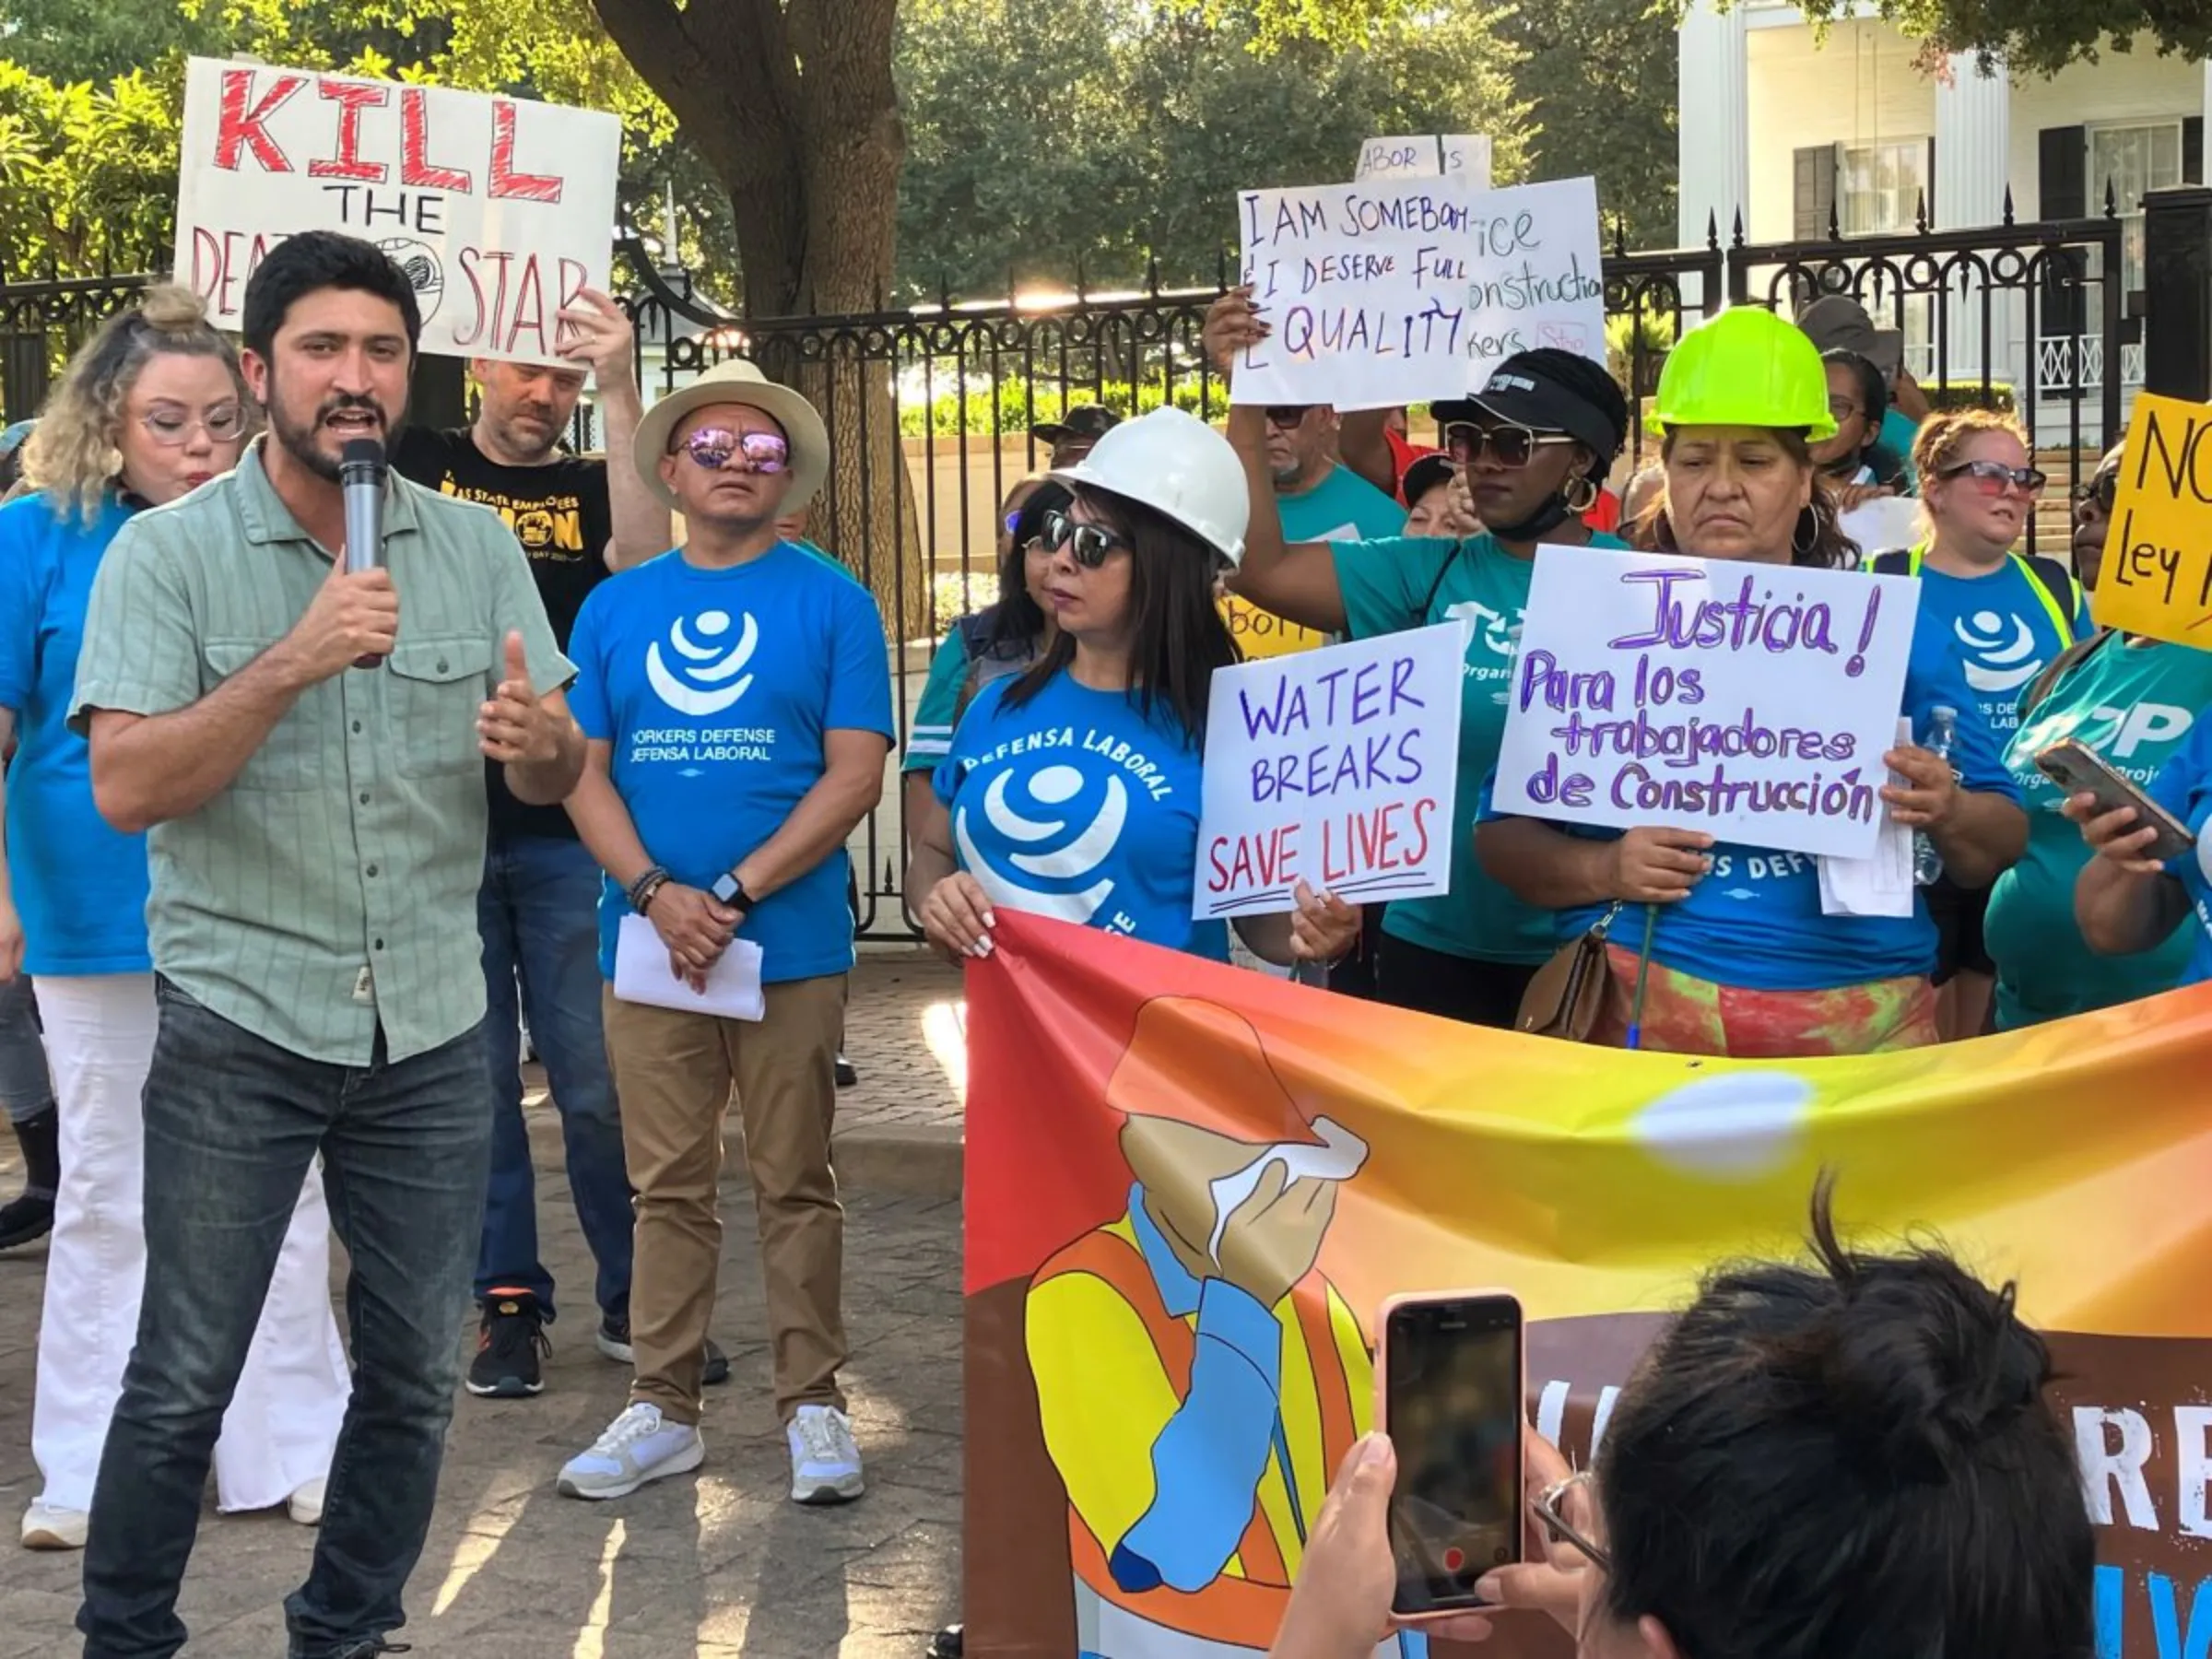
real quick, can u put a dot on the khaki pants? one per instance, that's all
(673, 1073)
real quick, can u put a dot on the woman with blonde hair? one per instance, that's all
(2010, 617)
(153, 406)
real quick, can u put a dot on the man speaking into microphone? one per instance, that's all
(316, 832)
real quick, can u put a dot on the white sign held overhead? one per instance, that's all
(1752, 701)
(499, 209)
(1334, 767)
(1464, 156)
(1535, 279)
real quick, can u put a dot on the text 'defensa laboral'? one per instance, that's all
(1336, 768)
(498, 210)
(1751, 701)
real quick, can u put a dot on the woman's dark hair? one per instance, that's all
(1177, 637)
(1819, 543)
(1873, 392)
(1015, 620)
(1849, 1460)
(308, 263)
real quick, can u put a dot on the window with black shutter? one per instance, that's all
(1814, 195)
(2062, 193)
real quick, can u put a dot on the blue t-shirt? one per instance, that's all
(2006, 630)
(1755, 920)
(80, 887)
(1075, 805)
(2185, 789)
(716, 689)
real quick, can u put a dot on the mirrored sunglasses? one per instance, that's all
(1087, 544)
(1513, 445)
(713, 448)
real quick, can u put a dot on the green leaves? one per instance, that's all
(2039, 36)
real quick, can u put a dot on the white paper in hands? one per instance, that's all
(643, 975)
(1880, 886)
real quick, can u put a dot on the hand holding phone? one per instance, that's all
(2081, 771)
(1451, 1388)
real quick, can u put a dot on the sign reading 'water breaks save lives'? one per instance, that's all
(1393, 290)
(2156, 576)
(499, 209)
(1750, 701)
(1336, 768)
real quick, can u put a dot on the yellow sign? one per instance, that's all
(2157, 577)
(1259, 633)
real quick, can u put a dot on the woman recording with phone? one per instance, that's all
(1072, 789)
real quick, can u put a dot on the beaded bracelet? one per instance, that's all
(642, 889)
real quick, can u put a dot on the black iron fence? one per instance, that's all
(931, 407)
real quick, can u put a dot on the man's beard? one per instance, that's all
(298, 440)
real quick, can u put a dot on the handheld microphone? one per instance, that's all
(361, 478)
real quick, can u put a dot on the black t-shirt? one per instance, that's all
(560, 514)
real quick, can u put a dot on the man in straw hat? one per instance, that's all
(736, 698)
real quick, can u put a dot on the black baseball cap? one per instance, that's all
(1549, 391)
(1424, 475)
(1085, 421)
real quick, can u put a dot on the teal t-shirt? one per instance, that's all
(1412, 582)
(1342, 507)
(1898, 430)
(929, 738)
(2135, 705)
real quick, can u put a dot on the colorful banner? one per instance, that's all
(2156, 576)
(499, 209)
(1131, 1495)
(1336, 768)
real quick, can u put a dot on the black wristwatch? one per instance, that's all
(727, 889)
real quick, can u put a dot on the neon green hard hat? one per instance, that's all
(1746, 367)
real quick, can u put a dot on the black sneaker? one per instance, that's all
(510, 1345)
(846, 1076)
(613, 1340)
(949, 1642)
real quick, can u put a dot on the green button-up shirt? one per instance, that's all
(332, 886)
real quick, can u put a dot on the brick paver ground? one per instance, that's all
(718, 1566)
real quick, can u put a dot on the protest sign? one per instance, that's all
(1535, 279)
(499, 209)
(1334, 767)
(1754, 702)
(2156, 576)
(1367, 287)
(1260, 634)
(1464, 155)
(1119, 1094)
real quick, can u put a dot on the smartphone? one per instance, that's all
(1449, 1394)
(2081, 770)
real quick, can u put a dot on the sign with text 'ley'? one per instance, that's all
(499, 209)
(1751, 701)
(1334, 767)
(1451, 155)
(2156, 576)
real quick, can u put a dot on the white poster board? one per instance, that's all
(1366, 286)
(1535, 276)
(1464, 156)
(1334, 767)
(1754, 702)
(500, 209)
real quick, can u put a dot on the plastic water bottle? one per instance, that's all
(1942, 729)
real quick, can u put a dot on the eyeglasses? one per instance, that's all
(2103, 490)
(1288, 415)
(1995, 477)
(1842, 408)
(172, 429)
(1087, 544)
(1513, 445)
(1550, 1507)
(713, 448)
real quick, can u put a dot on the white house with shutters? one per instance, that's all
(1786, 129)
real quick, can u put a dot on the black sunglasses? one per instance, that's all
(1513, 445)
(2103, 490)
(1087, 544)
(2028, 481)
(1287, 415)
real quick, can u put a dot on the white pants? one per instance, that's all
(283, 1422)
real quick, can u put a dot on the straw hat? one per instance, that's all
(737, 381)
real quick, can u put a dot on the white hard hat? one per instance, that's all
(1179, 466)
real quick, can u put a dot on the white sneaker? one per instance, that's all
(639, 1446)
(825, 1463)
(46, 1527)
(305, 1506)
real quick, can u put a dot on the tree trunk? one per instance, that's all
(794, 107)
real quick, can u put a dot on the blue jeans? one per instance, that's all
(538, 912)
(232, 1126)
(26, 1086)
